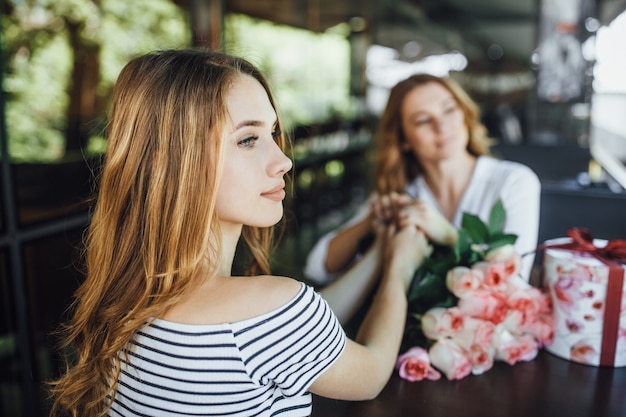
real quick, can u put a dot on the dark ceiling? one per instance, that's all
(438, 25)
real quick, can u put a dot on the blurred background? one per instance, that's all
(548, 76)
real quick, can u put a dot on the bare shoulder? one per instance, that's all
(274, 285)
(232, 299)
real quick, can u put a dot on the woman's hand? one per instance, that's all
(423, 216)
(345, 245)
(384, 209)
(405, 251)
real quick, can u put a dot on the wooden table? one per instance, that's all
(546, 387)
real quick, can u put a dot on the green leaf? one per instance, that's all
(441, 261)
(463, 243)
(428, 292)
(431, 286)
(449, 301)
(501, 240)
(497, 216)
(418, 277)
(475, 228)
(473, 257)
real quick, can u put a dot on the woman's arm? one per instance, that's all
(337, 250)
(343, 248)
(366, 363)
(315, 267)
(383, 211)
(346, 294)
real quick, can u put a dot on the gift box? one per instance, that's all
(585, 278)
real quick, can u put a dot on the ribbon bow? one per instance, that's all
(583, 241)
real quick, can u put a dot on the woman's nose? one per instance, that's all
(281, 164)
(439, 124)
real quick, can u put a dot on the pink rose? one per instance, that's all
(475, 332)
(494, 274)
(545, 303)
(512, 349)
(441, 322)
(481, 358)
(525, 299)
(524, 307)
(414, 365)
(450, 358)
(519, 321)
(543, 329)
(516, 282)
(462, 280)
(486, 305)
(508, 256)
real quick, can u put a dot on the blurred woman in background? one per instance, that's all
(433, 164)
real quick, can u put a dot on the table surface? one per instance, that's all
(547, 386)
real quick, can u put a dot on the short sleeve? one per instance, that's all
(293, 345)
(315, 269)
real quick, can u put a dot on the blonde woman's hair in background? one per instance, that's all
(396, 167)
(155, 227)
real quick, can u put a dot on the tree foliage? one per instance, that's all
(61, 60)
(309, 72)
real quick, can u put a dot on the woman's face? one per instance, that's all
(433, 123)
(251, 190)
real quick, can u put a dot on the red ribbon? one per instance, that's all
(583, 241)
(613, 254)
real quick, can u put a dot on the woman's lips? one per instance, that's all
(277, 194)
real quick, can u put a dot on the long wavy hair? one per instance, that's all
(155, 226)
(396, 167)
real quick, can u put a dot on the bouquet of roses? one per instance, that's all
(468, 306)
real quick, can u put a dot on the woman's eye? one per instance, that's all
(451, 109)
(248, 142)
(276, 133)
(421, 122)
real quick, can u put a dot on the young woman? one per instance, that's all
(432, 156)
(160, 327)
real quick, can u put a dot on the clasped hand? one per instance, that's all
(401, 211)
(404, 241)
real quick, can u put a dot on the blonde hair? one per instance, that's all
(155, 225)
(396, 167)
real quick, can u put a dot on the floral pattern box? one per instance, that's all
(587, 287)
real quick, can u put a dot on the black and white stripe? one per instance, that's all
(257, 367)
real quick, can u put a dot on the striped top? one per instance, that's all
(261, 366)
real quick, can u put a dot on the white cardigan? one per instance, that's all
(515, 184)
